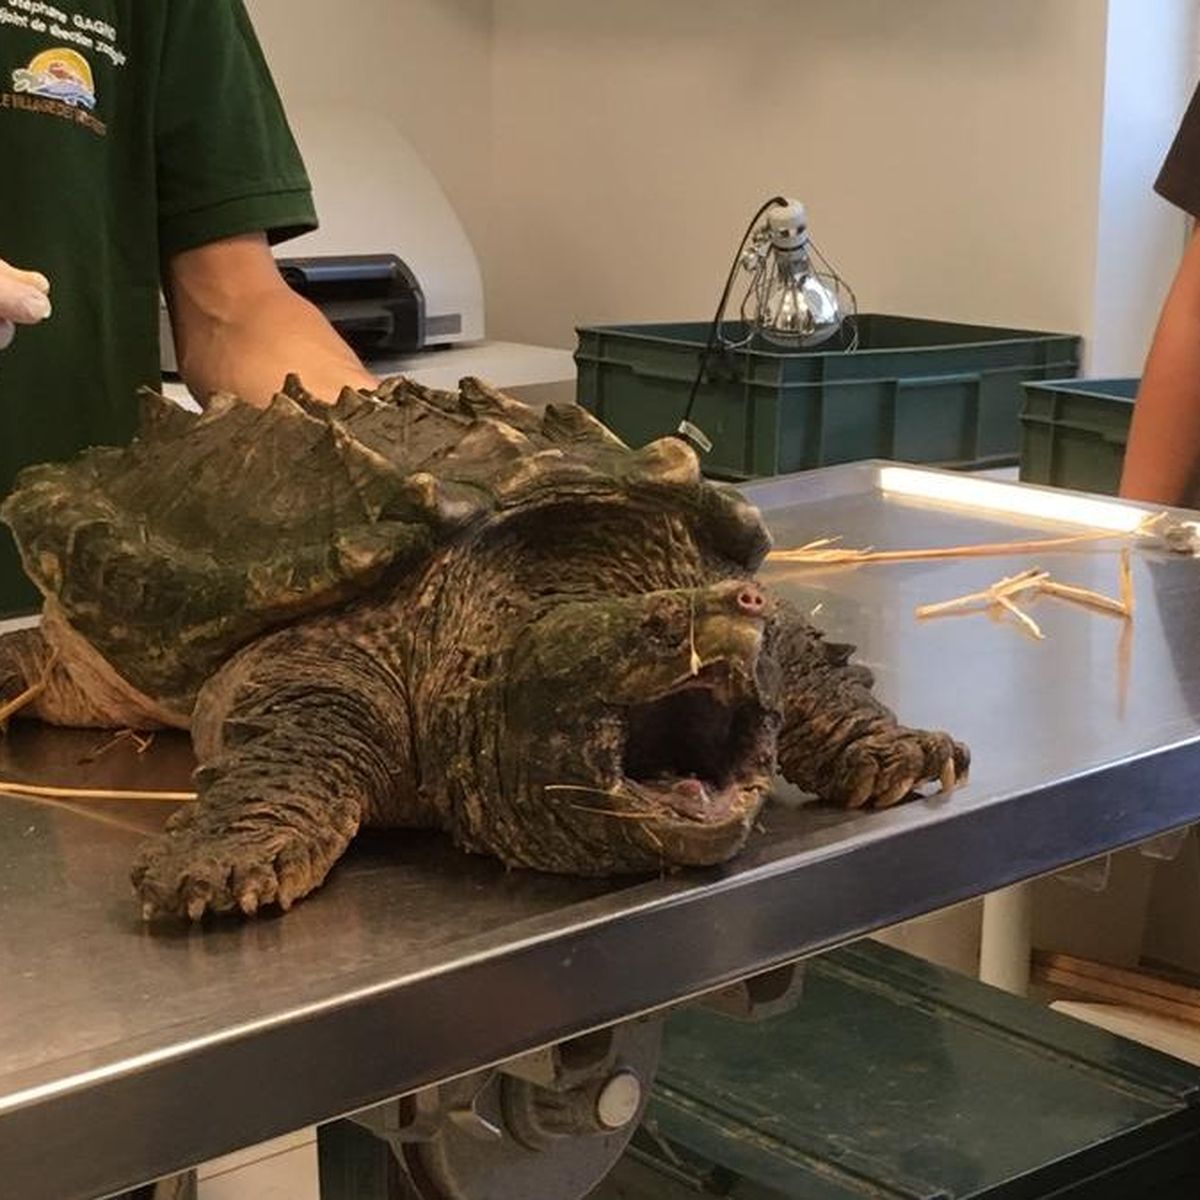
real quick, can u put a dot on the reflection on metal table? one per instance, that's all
(125, 1054)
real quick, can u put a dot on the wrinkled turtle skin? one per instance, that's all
(432, 609)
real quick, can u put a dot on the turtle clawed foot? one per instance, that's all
(191, 871)
(885, 768)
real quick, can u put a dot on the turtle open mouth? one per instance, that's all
(695, 752)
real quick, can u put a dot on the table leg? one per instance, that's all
(1007, 938)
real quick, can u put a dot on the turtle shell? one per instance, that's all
(210, 528)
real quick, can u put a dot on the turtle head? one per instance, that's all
(594, 690)
(639, 731)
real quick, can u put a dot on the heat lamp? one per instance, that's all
(794, 300)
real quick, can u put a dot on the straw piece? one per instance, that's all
(1126, 577)
(68, 793)
(616, 816)
(31, 693)
(1023, 617)
(1020, 583)
(813, 555)
(1067, 591)
(694, 660)
(1005, 587)
(90, 812)
(576, 787)
(141, 744)
(945, 606)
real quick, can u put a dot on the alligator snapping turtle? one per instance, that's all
(421, 608)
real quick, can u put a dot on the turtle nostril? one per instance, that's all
(751, 600)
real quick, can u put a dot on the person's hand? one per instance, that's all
(24, 300)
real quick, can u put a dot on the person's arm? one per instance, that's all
(1162, 461)
(239, 328)
(24, 300)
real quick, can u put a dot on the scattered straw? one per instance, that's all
(826, 551)
(822, 553)
(1008, 586)
(141, 744)
(1038, 582)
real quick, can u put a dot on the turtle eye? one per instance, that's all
(657, 625)
(665, 623)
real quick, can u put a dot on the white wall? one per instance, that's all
(948, 151)
(960, 158)
(1149, 69)
(425, 64)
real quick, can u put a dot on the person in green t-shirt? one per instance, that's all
(142, 146)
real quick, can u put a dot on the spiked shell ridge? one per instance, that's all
(212, 527)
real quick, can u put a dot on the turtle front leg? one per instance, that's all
(300, 739)
(837, 740)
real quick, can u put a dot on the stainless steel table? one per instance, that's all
(125, 1054)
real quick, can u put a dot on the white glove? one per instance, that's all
(24, 300)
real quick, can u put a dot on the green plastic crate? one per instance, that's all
(1074, 431)
(915, 391)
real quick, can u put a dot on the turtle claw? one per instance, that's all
(884, 768)
(861, 793)
(950, 777)
(895, 794)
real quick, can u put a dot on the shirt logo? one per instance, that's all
(58, 74)
(58, 83)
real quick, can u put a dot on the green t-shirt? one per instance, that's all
(129, 130)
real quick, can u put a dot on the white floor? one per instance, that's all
(284, 1168)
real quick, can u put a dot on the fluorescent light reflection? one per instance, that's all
(995, 495)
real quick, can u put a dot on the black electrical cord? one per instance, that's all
(718, 318)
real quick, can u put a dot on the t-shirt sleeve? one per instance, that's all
(227, 161)
(1179, 179)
